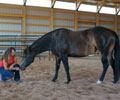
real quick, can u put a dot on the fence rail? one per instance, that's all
(17, 41)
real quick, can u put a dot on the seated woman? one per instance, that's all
(8, 66)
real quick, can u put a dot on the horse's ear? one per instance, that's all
(27, 46)
(30, 48)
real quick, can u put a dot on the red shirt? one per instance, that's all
(10, 62)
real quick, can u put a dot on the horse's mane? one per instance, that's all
(44, 36)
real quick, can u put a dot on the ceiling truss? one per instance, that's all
(99, 3)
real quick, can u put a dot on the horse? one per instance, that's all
(66, 43)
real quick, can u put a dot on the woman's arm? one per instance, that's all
(5, 65)
(11, 66)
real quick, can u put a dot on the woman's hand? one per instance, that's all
(11, 67)
(14, 68)
(17, 68)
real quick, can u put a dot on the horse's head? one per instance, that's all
(28, 58)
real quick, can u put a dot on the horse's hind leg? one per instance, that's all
(105, 63)
(58, 60)
(115, 70)
(112, 63)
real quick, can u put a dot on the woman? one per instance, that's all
(8, 66)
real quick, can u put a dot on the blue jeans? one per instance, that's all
(7, 74)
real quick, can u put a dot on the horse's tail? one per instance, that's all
(116, 59)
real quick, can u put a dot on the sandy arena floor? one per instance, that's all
(37, 85)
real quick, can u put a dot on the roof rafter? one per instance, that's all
(117, 10)
(114, 1)
(24, 1)
(78, 4)
(100, 6)
(53, 3)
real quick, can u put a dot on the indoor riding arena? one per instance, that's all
(24, 21)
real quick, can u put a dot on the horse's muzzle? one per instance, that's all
(22, 68)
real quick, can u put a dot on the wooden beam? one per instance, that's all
(116, 19)
(106, 22)
(65, 19)
(13, 31)
(86, 13)
(43, 25)
(53, 3)
(43, 9)
(38, 17)
(86, 20)
(36, 32)
(97, 19)
(118, 10)
(23, 24)
(63, 11)
(116, 23)
(11, 6)
(100, 6)
(51, 19)
(107, 15)
(14, 23)
(25, 1)
(78, 4)
(24, 20)
(60, 26)
(85, 27)
(11, 15)
(113, 1)
(8, 17)
(76, 20)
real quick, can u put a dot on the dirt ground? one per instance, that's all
(37, 85)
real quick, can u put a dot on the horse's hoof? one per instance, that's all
(53, 80)
(99, 82)
(68, 82)
(115, 82)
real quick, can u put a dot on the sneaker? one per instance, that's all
(19, 81)
(3, 81)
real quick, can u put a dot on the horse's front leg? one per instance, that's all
(105, 67)
(58, 60)
(66, 66)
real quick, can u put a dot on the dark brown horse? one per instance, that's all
(64, 43)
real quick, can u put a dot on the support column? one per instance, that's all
(97, 20)
(51, 25)
(116, 23)
(23, 26)
(76, 20)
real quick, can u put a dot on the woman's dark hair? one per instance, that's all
(6, 55)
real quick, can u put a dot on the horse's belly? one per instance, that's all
(82, 51)
(78, 53)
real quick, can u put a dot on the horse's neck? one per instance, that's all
(42, 45)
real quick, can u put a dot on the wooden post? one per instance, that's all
(51, 25)
(116, 23)
(53, 3)
(51, 19)
(23, 26)
(116, 20)
(76, 20)
(99, 7)
(97, 19)
(97, 24)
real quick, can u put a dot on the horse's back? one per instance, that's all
(83, 43)
(74, 43)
